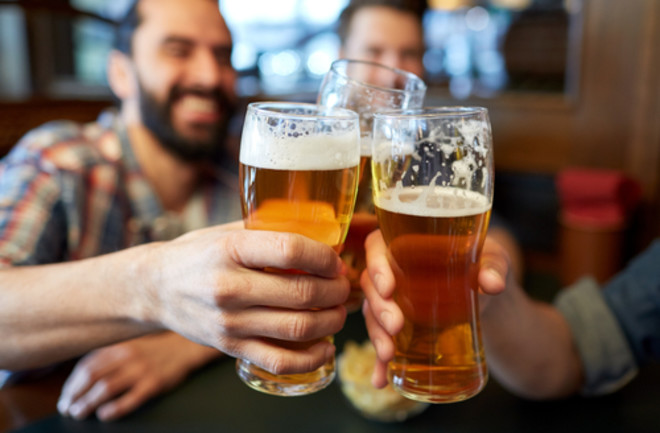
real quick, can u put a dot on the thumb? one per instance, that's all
(495, 268)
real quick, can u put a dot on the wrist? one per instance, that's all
(141, 288)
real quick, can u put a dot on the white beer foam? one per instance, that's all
(304, 152)
(432, 201)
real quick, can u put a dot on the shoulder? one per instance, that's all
(66, 146)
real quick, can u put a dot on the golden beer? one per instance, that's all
(299, 173)
(364, 222)
(314, 203)
(434, 237)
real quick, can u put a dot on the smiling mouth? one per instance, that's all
(197, 105)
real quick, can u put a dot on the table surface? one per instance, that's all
(214, 400)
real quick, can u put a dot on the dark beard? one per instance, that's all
(157, 117)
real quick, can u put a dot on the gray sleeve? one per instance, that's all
(607, 358)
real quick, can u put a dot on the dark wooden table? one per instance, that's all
(214, 400)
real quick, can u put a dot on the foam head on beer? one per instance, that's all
(288, 146)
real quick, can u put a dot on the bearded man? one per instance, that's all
(87, 213)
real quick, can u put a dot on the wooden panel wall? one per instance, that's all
(18, 118)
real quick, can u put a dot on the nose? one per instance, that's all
(393, 60)
(204, 70)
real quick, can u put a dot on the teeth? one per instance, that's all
(196, 103)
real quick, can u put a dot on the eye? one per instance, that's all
(177, 49)
(412, 55)
(374, 52)
(223, 56)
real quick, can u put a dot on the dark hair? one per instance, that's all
(415, 7)
(126, 27)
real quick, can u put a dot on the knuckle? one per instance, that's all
(230, 346)
(298, 328)
(291, 247)
(227, 293)
(227, 325)
(305, 291)
(86, 373)
(276, 364)
(102, 388)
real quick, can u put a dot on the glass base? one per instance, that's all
(437, 393)
(286, 385)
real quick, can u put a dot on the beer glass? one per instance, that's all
(298, 173)
(366, 87)
(433, 190)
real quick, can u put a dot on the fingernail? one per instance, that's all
(493, 272)
(75, 410)
(105, 413)
(62, 406)
(386, 319)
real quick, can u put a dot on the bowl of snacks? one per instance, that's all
(355, 366)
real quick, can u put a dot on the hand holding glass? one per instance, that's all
(298, 173)
(433, 190)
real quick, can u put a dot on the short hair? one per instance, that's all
(126, 27)
(415, 7)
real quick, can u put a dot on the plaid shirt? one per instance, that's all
(71, 191)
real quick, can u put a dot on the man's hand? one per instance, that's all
(116, 380)
(382, 315)
(229, 289)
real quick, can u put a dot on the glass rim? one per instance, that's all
(431, 112)
(421, 87)
(317, 111)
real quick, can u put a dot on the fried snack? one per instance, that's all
(356, 365)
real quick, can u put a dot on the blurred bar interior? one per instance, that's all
(569, 84)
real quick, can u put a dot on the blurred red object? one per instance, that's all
(596, 198)
(595, 209)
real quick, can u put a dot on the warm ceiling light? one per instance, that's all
(450, 4)
(511, 4)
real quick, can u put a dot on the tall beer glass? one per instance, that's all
(366, 87)
(433, 190)
(298, 173)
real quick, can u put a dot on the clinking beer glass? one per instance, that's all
(298, 172)
(366, 87)
(433, 190)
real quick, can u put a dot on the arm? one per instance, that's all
(528, 345)
(208, 286)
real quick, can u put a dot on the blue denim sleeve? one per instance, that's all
(634, 298)
(607, 359)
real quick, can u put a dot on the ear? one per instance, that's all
(120, 75)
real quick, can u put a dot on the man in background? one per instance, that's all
(391, 32)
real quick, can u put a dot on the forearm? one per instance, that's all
(529, 347)
(54, 312)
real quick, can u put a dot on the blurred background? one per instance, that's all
(568, 83)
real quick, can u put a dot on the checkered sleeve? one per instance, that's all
(32, 220)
